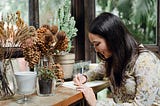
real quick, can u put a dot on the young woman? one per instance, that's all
(133, 71)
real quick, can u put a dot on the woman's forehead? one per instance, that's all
(95, 36)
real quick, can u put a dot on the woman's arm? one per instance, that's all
(147, 68)
(98, 73)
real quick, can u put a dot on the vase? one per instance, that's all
(7, 81)
(46, 82)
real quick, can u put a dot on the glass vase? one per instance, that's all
(45, 83)
(7, 80)
(46, 87)
(48, 76)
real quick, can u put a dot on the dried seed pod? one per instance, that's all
(58, 70)
(62, 43)
(54, 29)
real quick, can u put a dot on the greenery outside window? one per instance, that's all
(138, 15)
(48, 11)
(11, 6)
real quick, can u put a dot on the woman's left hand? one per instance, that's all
(88, 94)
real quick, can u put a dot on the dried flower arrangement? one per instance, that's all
(35, 44)
(10, 36)
(44, 44)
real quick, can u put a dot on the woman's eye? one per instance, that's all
(96, 44)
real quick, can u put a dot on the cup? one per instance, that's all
(26, 82)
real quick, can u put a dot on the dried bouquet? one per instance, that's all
(11, 27)
(39, 49)
(37, 46)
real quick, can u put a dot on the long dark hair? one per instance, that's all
(119, 41)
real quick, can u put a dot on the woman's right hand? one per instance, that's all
(79, 79)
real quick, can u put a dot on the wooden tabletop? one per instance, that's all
(63, 97)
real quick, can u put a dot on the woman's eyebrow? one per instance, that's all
(94, 41)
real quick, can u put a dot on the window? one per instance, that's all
(47, 11)
(11, 6)
(138, 15)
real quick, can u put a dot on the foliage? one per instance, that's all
(11, 6)
(138, 15)
(46, 73)
(48, 9)
(66, 22)
(49, 72)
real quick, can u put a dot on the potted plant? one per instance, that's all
(47, 78)
(66, 23)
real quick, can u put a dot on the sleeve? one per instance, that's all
(98, 73)
(147, 79)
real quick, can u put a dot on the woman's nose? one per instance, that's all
(96, 49)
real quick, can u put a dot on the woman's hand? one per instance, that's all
(88, 94)
(79, 79)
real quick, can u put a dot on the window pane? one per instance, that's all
(11, 6)
(47, 11)
(138, 15)
(8, 9)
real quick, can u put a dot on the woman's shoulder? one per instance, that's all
(147, 59)
(147, 56)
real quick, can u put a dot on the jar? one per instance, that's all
(7, 80)
(48, 77)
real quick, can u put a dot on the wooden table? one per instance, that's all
(63, 97)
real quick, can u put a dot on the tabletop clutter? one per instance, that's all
(39, 46)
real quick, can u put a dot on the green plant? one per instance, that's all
(54, 70)
(138, 15)
(46, 73)
(66, 22)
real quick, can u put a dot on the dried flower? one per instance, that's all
(13, 32)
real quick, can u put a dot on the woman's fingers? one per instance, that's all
(78, 79)
(88, 94)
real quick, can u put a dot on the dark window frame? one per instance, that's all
(89, 15)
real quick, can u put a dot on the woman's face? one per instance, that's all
(100, 45)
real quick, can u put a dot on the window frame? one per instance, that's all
(81, 10)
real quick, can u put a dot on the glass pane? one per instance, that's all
(8, 9)
(11, 6)
(140, 16)
(47, 11)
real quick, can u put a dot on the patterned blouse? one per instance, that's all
(141, 86)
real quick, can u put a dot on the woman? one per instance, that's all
(133, 71)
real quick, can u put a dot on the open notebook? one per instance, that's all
(70, 84)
